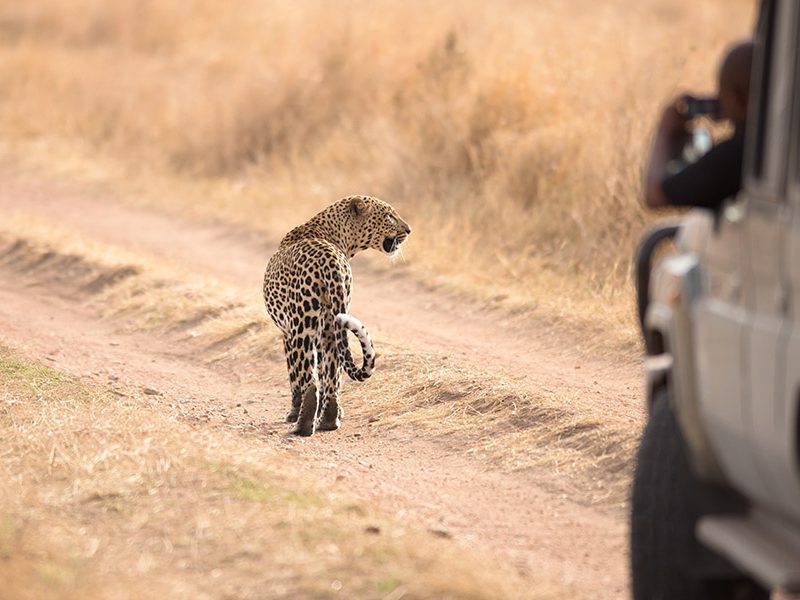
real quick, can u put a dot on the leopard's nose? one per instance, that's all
(406, 228)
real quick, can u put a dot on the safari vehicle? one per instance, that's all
(716, 493)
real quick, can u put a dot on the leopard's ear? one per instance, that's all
(358, 208)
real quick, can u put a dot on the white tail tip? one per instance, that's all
(348, 321)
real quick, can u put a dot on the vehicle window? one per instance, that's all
(795, 162)
(765, 40)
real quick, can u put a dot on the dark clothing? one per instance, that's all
(717, 175)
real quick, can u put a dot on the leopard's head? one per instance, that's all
(375, 224)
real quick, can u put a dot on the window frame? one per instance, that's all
(793, 190)
(767, 138)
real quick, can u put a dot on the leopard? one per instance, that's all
(307, 291)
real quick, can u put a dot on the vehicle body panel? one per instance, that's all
(727, 307)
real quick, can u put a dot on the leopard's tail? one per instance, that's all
(350, 323)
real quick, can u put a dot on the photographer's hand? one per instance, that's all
(669, 139)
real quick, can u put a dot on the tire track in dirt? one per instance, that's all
(389, 301)
(537, 531)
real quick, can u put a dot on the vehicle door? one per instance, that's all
(767, 279)
(740, 324)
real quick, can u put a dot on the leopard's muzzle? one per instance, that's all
(392, 244)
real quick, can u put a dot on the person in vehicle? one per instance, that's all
(717, 175)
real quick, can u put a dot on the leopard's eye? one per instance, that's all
(391, 219)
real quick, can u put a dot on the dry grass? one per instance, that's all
(108, 497)
(511, 424)
(510, 135)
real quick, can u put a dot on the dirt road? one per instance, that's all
(516, 515)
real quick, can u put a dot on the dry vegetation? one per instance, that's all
(109, 497)
(510, 134)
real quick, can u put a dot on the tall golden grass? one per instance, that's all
(510, 134)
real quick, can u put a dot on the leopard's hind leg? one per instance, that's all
(294, 381)
(330, 381)
(335, 300)
(302, 361)
(307, 417)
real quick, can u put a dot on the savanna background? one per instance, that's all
(152, 152)
(510, 134)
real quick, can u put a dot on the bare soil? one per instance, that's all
(516, 516)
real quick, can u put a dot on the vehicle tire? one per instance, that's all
(667, 561)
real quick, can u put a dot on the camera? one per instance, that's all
(691, 107)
